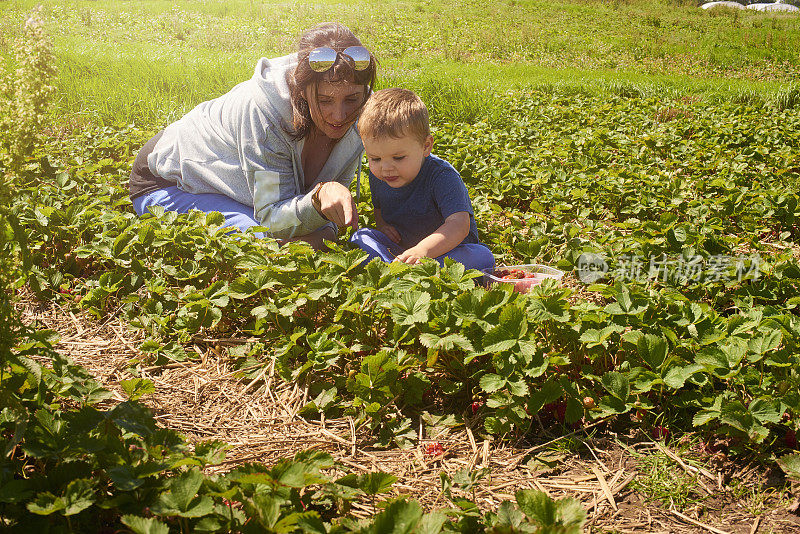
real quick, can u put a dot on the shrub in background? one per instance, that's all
(25, 92)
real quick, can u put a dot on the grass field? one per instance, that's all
(648, 149)
(148, 62)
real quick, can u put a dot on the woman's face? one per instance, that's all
(337, 106)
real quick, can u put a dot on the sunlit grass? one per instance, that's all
(148, 62)
(660, 479)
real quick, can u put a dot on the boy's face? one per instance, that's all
(396, 161)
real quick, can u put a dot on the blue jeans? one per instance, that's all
(237, 215)
(378, 245)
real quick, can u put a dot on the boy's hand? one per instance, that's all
(390, 232)
(411, 256)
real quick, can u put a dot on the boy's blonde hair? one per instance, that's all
(394, 113)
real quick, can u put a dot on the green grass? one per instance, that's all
(148, 62)
(662, 480)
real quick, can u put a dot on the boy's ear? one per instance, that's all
(428, 145)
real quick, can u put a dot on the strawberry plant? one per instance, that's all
(687, 319)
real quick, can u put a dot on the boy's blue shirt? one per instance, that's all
(416, 210)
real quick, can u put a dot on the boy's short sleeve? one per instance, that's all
(450, 193)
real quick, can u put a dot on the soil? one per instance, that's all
(601, 464)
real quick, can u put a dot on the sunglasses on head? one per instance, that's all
(322, 59)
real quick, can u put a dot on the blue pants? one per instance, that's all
(237, 215)
(378, 245)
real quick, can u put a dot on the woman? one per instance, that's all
(278, 150)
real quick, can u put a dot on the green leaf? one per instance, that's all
(308, 523)
(518, 388)
(184, 488)
(16, 490)
(677, 375)
(46, 503)
(251, 283)
(370, 483)
(399, 517)
(538, 506)
(144, 525)
(448, 342)
(737, 416)
(594, 338)
(564, 516)
(512, 327)
(135, 388)
(571, 513)
(411, 308)
(124, 477)
(491, 382)
(625, 305)
(611, 405)
(765, 343)
(711, 335)
(765, 410)
(653, 350)
(267, 509)
(296, 474)
(790, 463)
(431, 523)
(211, 452)
(616, 384)
(78, 496)
(545, 394)
(508, 514)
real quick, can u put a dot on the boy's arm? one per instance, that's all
(444, 239)
(387, 229)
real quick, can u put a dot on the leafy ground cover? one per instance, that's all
(676, 220)
(700, 340)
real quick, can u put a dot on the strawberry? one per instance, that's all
(660, 432)
(790, 439)
(558, 409)
(476, 406)
(434, 449)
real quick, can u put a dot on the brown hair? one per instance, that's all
(394, 113)
(338, 37)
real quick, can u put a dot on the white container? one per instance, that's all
(534, 271)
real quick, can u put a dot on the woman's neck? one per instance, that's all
(318, 139)
(316, 151)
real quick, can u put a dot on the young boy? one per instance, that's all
(422, 208)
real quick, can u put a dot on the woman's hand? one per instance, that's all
(337, 205)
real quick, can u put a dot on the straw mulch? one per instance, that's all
(204, 400)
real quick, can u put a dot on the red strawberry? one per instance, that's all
(476, 406)
(434, 449)
(660, 432)
(558, 409)
(790, 439)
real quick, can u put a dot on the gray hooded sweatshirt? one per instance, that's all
(236, 145)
